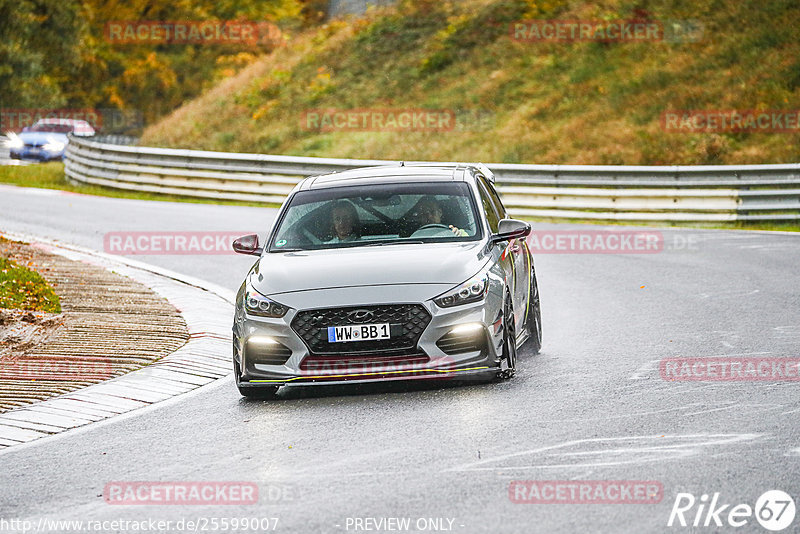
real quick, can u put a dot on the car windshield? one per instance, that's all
(377, 215)
(51, 128)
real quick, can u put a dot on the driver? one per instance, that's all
(429, 211)
(344, 219)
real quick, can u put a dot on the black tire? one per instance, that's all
(533, 322)
(508, 361)
(261, 392)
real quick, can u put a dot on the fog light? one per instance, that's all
(262, 340)
(266, 350)
(465, 328)
(463, 338)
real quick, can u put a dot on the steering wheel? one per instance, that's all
(432, 230)
(314, 240)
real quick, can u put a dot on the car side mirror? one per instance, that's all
(248, 245)
(509, 229)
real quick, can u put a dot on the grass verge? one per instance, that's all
(25, 289)
(51, 176)
(512, 101)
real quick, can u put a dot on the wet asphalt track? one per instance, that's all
(591, 406)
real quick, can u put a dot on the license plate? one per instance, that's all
(361, 332)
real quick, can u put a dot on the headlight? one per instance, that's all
(472, 290)
(54, 146)
(14, 141)
(257, 304)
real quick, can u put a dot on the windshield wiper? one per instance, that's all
(395, 242)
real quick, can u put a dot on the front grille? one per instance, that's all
(407, 322)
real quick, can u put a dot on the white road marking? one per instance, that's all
(646, 370)
(733, 405)
(611, 451)
(729, 294)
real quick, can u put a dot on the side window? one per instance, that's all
(489, 208)
(501, 210)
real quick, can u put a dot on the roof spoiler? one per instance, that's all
(486, 172)
(480, 166)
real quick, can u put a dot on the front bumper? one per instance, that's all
(366, 378)
(427, 361)
(34, 154)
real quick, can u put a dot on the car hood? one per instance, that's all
(42, 137)
(434, 263)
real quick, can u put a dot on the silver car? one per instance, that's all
(404, 272)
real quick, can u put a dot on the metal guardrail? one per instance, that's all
(116, 139)
(621, 193)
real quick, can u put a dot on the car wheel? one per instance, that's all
(264, 393)
(508, 363)
(534, 319)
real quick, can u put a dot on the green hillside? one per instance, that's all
(588, 102)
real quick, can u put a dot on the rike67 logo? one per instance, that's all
(774, 510)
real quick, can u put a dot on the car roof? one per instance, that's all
(402, 173)
(79, 125)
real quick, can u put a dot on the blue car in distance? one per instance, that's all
(47, 139)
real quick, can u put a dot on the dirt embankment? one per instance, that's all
(109, 325)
